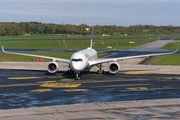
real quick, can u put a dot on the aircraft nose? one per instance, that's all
(77, 67)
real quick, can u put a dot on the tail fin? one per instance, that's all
(92, 38)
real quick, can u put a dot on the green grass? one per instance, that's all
(119, 44)
(177, 38)
(12, 57)
(66, 37)
(172, 59)
(44, 37)
(149, 36)
(172, 46)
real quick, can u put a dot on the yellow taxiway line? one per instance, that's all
(40, 90)
(59, 85)
(23, 77)
(76, 90)
(136, 73)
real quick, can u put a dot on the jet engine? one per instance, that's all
(114, 67)
(52, 67)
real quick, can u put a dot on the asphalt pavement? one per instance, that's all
(24, 87)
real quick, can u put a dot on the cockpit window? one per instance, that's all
(77, 60)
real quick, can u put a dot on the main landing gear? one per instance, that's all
(100, 69)
(72, 72)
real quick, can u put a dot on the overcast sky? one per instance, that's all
(92, 12)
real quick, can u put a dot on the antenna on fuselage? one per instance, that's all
(92, 38)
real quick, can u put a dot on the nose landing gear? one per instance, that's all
(77, 76)
(72, 72)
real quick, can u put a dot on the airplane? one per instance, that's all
(84, 59)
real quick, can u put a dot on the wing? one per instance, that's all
(120, 58)
(39, 56)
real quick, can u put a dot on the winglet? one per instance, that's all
(3, 48)
(92, 39)
(176, 49)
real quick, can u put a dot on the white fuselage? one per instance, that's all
(80, 60)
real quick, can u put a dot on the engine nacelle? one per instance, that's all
(52, 67)
(114, 67)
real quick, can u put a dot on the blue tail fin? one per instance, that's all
(92, 39)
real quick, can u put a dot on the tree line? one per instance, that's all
(38, 28)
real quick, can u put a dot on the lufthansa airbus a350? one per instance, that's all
(83, 59)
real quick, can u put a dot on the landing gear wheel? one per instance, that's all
(68, 71)
(103, 72)
(98, 72)
(77, 77)
(100, 69)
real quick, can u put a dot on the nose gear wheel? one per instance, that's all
(77, 76)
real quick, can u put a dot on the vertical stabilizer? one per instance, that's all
(92, 38)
